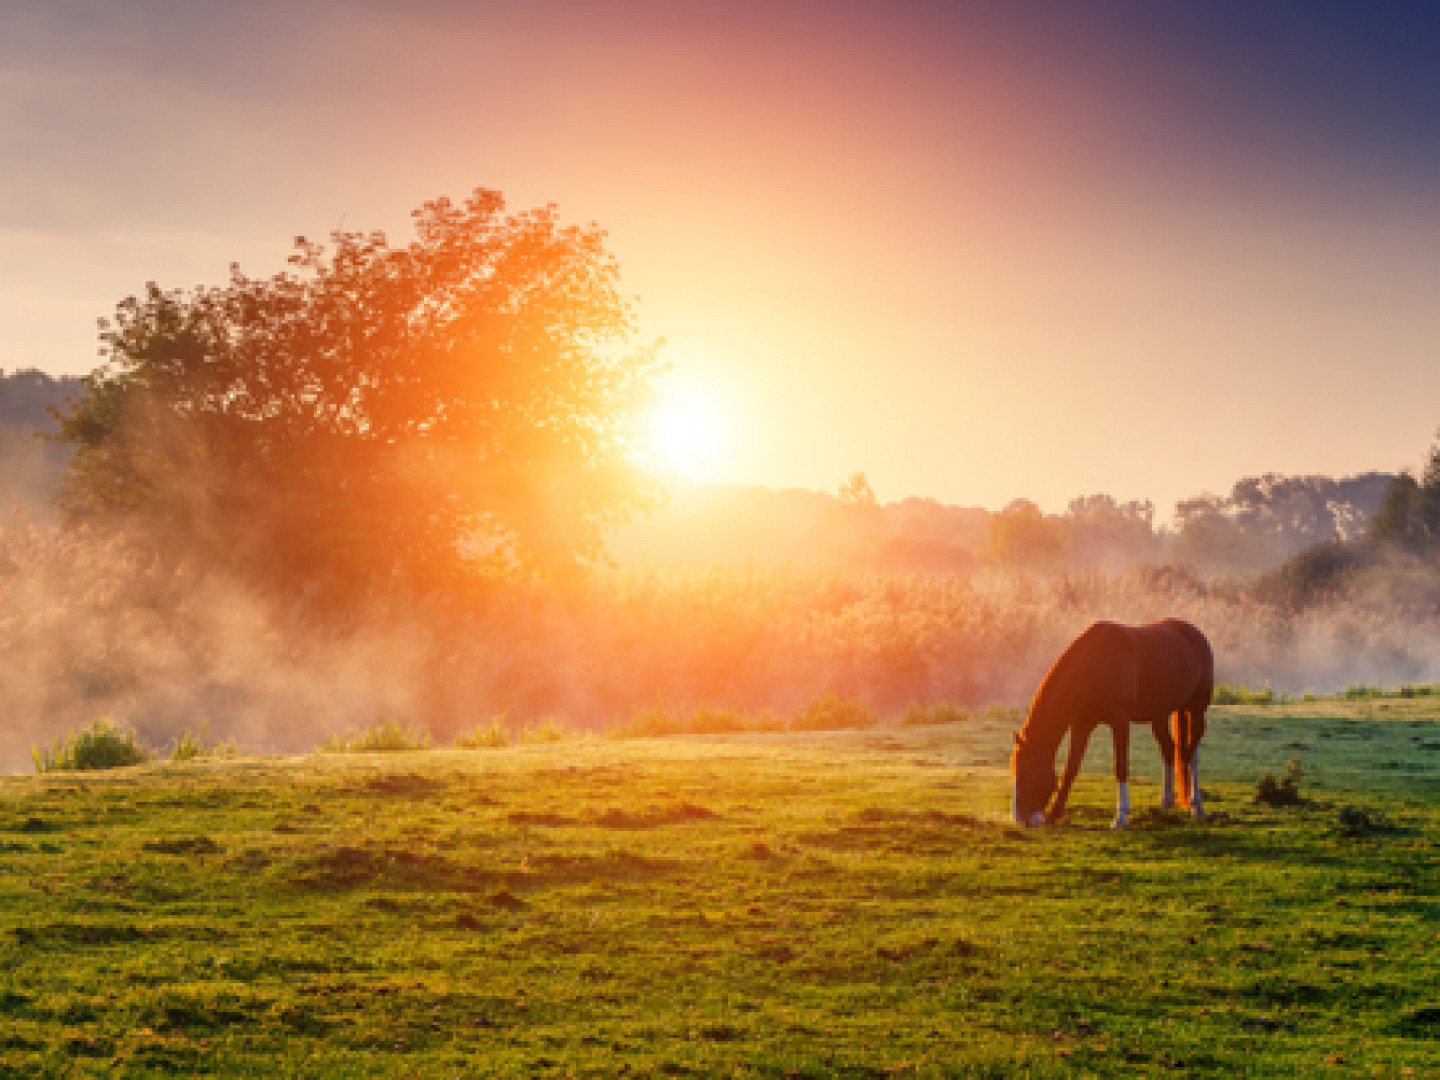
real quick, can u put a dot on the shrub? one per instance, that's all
(831, 712)
(650, 720)
(707, 721)
(496, 735)
(388, 736)
(188, 747)
(1356, 822)
(103, 746)
(1239, 694)
(997, 711)
(547, 730)
(936, 712)
(1272, 792)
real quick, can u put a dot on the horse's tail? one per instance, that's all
(1183, 724)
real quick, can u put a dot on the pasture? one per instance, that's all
(821, 904)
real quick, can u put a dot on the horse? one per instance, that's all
(1161, 673)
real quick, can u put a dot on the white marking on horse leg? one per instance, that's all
(1196, 808)
(1015, 803)
(1167, 787)
(1122, 805)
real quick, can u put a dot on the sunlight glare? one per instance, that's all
(691, 433)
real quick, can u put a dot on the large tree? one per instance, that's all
(376, 411)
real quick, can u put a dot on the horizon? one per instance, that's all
(954, 247)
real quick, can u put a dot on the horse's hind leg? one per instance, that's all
(1190, 728)
(1161, 730)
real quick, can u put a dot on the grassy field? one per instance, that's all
(775, 905)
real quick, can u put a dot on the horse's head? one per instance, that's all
(1033, 782)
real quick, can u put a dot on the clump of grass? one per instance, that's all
(652, 720)
(709, 721)
(493, 736)
(831, 712)
(1240, 694)
(1356, 822)
(547, 730)
(1270, 791)
(104, 745)
(189, 746)
(388, 736)
(936, 712)
(1361, 691)
(997, 711)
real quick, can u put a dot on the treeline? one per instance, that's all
(1391, 563)
(1262, 522)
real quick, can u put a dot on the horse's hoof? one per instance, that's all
(1120, 822)
(1198, 814)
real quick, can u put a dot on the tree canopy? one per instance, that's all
(467, 400)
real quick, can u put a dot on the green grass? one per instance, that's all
(103, 745)
(807, 904)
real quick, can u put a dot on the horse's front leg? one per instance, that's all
(1079, 739)
(1120, 730)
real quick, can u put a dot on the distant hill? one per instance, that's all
(30, 469)
(26, 394)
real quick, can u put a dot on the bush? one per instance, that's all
(188, 747)
(651, 720)
(996, 711)
(831, 712)
(547, 730)
(1239, 694)
(496, 735)
(103, 746)
(388, 736)
(937, 712)
(1355, 822)
(1272, 792)
(706, 721)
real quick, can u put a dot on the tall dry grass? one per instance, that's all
(93, 626)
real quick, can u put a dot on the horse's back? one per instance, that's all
(1176, 666)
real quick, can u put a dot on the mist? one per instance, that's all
(96, 625)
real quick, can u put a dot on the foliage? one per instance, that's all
(1239, 694)
(856, 491)
(103, 745)
(376, 413)
(935, 712)
(545, 731)
(28, 395)
(485, 736)
(387, 736)
(1266, 519)
(189, 746)
(1110, 535)
(1312, 574)
(1022, 537)
(1272, 792)
(831, 712)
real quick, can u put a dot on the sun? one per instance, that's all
(690, 433)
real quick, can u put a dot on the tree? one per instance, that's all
(857, 491)
(1022, 536)
(464, 401)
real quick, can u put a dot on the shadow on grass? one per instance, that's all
(351, 868)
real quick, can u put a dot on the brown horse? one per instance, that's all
(1161, 674)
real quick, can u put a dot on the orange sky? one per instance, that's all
(978, 251)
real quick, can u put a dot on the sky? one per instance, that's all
(978, 251)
